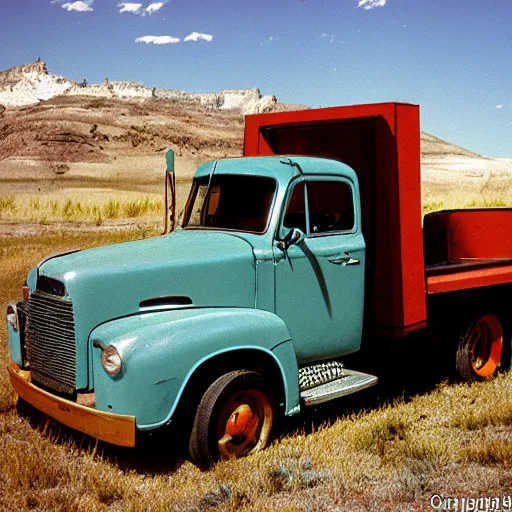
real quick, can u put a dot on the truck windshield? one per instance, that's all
(237, 202)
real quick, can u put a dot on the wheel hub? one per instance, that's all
(242, 423)
(241, 429)
(485, 345)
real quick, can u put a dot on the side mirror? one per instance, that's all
(293, 237)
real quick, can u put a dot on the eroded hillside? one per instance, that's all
(70, 129)
(52, 127)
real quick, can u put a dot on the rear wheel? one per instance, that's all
(234, 419)
(480, 348)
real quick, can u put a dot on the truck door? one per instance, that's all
(320, 286)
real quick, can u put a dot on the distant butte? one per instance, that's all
(31, 83)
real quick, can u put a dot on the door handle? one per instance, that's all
(344, 260)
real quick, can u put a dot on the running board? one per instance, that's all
(351, 382)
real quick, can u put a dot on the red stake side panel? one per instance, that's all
(382, 143)
(456, 240)
(453, 235)
(450, 282)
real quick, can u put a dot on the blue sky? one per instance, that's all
(453, 57)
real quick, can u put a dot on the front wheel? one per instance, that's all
(233, 419)
(480, 348)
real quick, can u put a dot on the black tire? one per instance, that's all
(480, 348)
(234, 419)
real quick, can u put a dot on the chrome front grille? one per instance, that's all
(50, 342)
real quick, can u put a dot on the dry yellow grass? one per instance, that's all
(81, 205)
(454, 441)
(495, 191)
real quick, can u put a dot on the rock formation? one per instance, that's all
(29, 84)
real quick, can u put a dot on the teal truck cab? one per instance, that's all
(245, 311)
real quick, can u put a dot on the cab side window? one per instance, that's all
(331, 207)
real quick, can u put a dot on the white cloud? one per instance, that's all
(140, 8)
(129, 7)
(157, 40)
(196, 36)
(499, 106)
(370, 4)
(79, 6)
(151, 8)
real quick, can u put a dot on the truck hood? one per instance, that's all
(209, 268)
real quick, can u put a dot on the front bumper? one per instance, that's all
(113, 428)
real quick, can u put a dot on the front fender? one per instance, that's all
(161, 350)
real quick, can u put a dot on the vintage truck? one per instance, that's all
(283, 265)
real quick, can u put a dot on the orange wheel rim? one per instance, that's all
(244, 424)
(485, 345)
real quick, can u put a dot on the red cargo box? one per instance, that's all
(381, 142)
(467, 249)
(453, 235)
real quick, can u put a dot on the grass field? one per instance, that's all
(92, 207)
(390, 448)
(494, 192)
(97, 203)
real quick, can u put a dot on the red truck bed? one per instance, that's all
(467, 249)
(381, 142)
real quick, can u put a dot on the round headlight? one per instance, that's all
(110, 359)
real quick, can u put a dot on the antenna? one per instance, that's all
(291, 163)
